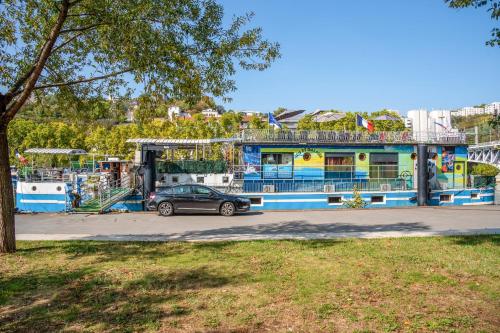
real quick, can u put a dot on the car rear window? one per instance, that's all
(164, 190)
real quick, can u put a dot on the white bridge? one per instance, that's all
(486, 152)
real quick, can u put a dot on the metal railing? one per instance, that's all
(327, 185)
(341, 172)
(314, 137)
(47, 175)
(109, 192)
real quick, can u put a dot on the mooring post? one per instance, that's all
(423, 175)
(149, 172)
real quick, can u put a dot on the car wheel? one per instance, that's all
(227, 209)
(166, 209)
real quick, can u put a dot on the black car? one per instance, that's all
(195, 199)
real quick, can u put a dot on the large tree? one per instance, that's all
(77, 49)
(493, 8)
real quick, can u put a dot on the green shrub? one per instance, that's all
(356, 201)
(485, 170)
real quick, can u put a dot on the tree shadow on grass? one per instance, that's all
(476, 240)
(298, 228)
(88, 300)
(105, 251)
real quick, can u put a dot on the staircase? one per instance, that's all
(107, 195)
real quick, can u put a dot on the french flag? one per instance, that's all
(360, 121)
(272, 121)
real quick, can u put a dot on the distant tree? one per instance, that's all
(279, 111)
(493, 8)
(148, 108)
(387, 125)
(204, 103)
(484, 170)
(307, 123)
(495, 122)
(256, 122)
(230, 122)
(480, 120)
(81, 48)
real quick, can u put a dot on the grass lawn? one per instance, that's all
(437, 284)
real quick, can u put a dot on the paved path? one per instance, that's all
(367, 223)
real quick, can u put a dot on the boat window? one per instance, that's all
(339, 165)
(383, 165)
(277, 165)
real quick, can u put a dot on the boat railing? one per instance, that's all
(291, 136)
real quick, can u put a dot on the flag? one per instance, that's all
(273, 121)
(21, 158)
(439, 124)
(360, 121)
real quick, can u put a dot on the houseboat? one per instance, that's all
(276, 169)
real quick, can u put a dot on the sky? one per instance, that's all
(368, 55)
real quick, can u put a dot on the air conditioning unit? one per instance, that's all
(329, 188)
(385, 187)
(268, 188)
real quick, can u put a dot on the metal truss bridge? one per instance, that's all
(486, 152)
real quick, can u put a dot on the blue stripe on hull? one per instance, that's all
(463, 197)
(305, 201)
(42, 203)
(132, 203)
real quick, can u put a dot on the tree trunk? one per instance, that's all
(7, 231)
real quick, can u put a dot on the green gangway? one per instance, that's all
(108, 194)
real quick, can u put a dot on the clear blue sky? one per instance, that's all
(367, 55)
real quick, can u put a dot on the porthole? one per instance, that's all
(458, 167)
(59, 189)
(413, 156)
(362, 156)
(445, 198)
(335, 200)
(33, 188)
(307, 156)
(256, 201)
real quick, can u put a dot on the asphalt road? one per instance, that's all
(366, 223)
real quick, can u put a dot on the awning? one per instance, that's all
(55, 151)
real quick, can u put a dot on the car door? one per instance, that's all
(206, 199)
(183, 198)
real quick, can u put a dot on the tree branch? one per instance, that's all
(38, 67)
(66, 42)
(17, 85)
(90, 79)
(81, 28)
